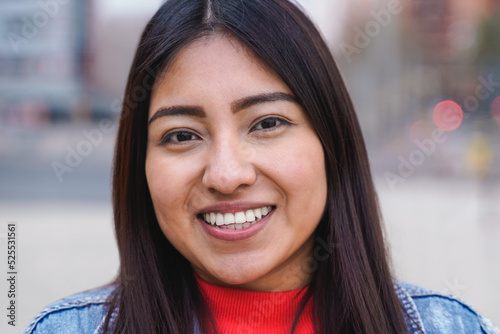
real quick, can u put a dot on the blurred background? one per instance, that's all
(425, 79)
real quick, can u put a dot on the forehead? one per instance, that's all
(208, 50)
(217, 61)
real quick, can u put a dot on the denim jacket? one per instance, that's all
(430, 313)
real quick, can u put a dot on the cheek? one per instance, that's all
(166, 191)
(164, 182)
(174, 184)
(309, 184)
(299, 170)
(307, 165)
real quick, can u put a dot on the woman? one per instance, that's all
(242, 193)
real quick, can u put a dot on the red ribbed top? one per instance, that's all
(243, 312)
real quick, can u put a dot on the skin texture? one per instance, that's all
(229, 158)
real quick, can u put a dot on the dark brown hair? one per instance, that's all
(352, 286)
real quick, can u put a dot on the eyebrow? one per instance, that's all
(250, 101)
(178, 110)
(236, 106)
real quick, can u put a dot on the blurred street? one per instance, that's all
(64, 227)
(444, 233)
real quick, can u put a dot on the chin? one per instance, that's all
(239, 277)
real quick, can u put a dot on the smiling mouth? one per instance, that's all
(237, 220)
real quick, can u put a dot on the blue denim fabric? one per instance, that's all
(81, 313)
(435, 313)
(429, 312)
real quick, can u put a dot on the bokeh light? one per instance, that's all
(495, 109)
(448, 115)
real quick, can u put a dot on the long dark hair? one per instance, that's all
(352, 286)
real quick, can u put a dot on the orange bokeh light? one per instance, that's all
(448, 115)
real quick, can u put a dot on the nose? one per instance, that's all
(229, 167)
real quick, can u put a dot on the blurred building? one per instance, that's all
(400, 59)
(42, 58)
(114, 39)
(444, 34)
(66, 59)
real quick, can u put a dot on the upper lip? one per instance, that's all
(233, 207)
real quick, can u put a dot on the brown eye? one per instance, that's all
(179, 137)
(269, 123)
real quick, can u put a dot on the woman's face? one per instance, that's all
(235, 169)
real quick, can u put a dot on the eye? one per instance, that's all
(269, 123)
(179, 137)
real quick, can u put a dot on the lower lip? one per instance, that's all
(234, 235)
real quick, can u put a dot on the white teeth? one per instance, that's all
(238, 220)
(265, 211)
(250, 216)
(228, 218)
(219, 219)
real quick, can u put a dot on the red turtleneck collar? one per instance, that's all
(243, 312)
